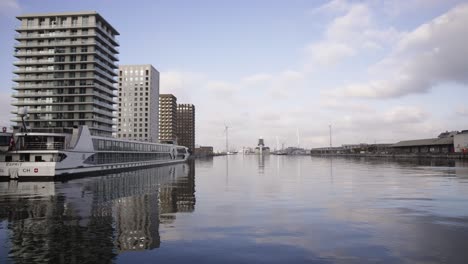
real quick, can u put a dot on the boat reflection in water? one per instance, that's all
(90, 219)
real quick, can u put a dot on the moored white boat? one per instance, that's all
(54, 152)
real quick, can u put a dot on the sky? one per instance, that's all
(375, 71)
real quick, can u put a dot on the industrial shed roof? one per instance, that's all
(424, 142)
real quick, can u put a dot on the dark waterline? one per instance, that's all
(244, 209)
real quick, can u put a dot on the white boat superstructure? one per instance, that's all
(52, 152)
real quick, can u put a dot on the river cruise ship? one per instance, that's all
(56, 152)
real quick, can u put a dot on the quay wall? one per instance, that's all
(450, 156)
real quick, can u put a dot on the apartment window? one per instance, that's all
(84, 49)
(83, 66)
(73, 58)
(72, 66)
(74, 21)
(83, 58)
(73, 50)
(85, 20)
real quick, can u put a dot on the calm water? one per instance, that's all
(244, 209)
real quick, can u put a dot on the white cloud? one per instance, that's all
(329, 53)
(7, 7)
(331, 7)
(462, 111)
(434, 53)
(349, 34)
(5, 108)
(340, 105)
(257, 78)
(182, 84)
(405, 115)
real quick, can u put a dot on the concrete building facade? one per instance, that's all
(186, 125)
(138, 103)
(65, 71)
(460, 141)
(167, 118)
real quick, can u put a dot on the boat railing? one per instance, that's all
(43, 146)
(52, 130)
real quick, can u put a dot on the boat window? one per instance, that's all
(24, 157)
(38, 159)
(61, 156)
(8, 158)
(5, 140)
(90, 159)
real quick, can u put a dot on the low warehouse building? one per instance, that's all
(441, 144)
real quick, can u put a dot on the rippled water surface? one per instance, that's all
(244, 209)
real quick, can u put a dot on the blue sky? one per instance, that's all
(378, 71)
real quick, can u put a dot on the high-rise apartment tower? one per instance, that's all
(65, 71)
(186, 125)
(138, 103)
(167, 118)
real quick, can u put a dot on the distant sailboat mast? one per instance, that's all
(298, 138)
(226, 130)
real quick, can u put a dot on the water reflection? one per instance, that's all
(279, 209)
(86, 220)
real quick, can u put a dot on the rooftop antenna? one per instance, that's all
(330, 126)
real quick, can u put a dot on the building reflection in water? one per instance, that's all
(93, 219)
(261, 164)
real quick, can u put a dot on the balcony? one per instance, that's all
(106, 74)
(52, 35)
(48, 78)
(67, 43)
(105, 81)
(40, 93)
(107, 105)
(102, 112)
(55, 26)
(40, 53)
(104, 128)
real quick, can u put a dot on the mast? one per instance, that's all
(226, 129)
(298, 139)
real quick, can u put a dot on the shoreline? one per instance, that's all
(448, 156)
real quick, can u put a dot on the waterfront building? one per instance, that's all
(261, 148)
(204, 151)
(138, 103)
(65, 71)
(441, 144)
(186, 125)
(460, 141)
(167, 118)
